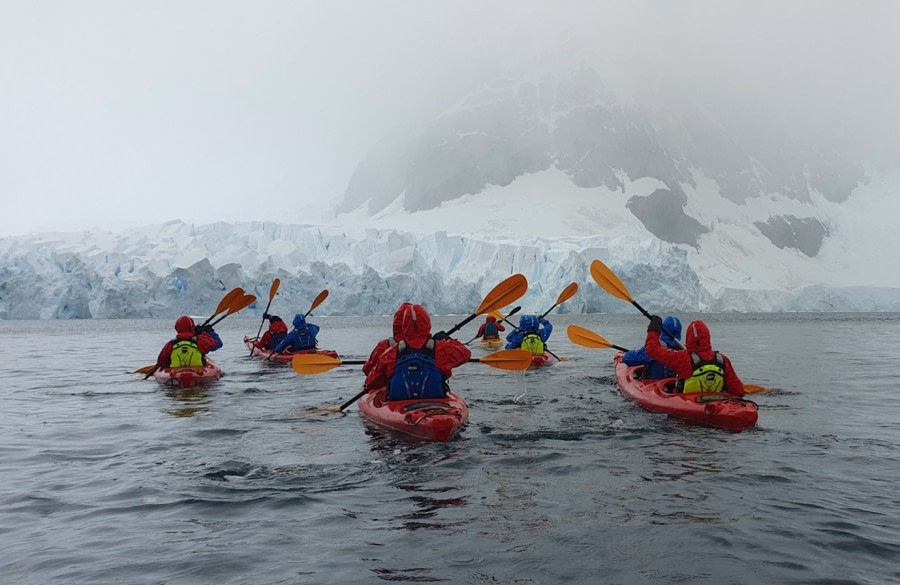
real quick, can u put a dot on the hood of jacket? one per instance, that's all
(697, 337)
(412, 323)
(529, 323)
(184, 327)
(299, 321)
(672, 324)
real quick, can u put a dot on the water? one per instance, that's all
(107, 478)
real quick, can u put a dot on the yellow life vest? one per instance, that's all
(532, 343)
(186, 353)
(708, 376)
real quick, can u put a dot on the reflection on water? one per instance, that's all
(195, 400)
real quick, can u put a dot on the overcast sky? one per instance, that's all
(127, 112)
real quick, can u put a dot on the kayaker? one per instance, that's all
(190, 346)
(653, 370)
(274, 335)
(302, 336)
(490, 329)
(698, 367)
(531, 334)
(418, 365)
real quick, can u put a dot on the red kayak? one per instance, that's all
(541, 360)
(435, 419)
(710, 409)
(188, 377)
(284, 357)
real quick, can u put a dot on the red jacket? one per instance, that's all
(184, 329)
(697, 341)
(274, 328)
(412, 324)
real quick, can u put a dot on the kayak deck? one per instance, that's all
(716, 410)
(188, 377)
(491, 343)
(542, 360)
(435, 419)
(284, 357)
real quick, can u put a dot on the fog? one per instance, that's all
(124, 113)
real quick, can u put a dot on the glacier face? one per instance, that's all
(176, 268)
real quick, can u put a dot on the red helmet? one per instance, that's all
(184, 325)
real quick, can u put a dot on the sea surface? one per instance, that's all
(108, 478)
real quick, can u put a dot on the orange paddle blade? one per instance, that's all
(229, 298)
(145, 369)
(567, 293)
(753, 388)
(241, 304)
(274, 288)
(503, 294)
(586, 337)
(609, 282)
(322, 296)
(508, 359)
(314, 363)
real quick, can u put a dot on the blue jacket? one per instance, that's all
(302, 336)
(529, 324)
(654, 370)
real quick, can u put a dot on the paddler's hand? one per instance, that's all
(441, 336)
(656, 324)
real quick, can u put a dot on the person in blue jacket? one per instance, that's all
(653, 370)
(531, 334)
(302, 336)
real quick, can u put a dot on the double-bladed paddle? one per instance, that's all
(316, 302)
(498, 316)
(587, 338)
(501, 295)
(609, 282)
(272, 290)
(316, 363)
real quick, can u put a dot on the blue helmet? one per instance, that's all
(529, 323)
(300, 321)
(672, 324)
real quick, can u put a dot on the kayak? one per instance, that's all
(435, 419)
(188, 377)
(710, 409)
(542, 359)
(491, 343)
(284, 357)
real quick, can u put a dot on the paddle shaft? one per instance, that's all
(268, 305)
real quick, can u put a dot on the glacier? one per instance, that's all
(163, 271)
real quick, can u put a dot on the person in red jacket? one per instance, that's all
(699, 368)
(276, 332)
(384, 344)
(490, 329)
(190, 346)
(417, 365)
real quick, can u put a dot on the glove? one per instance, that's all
(266, 316)
(440, 336)
(655, 324)
(202, 329)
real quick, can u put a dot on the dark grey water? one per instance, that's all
(106, 478)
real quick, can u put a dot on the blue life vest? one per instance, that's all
(276, 339)
(303, 340)
(490, 330)
(416, 375)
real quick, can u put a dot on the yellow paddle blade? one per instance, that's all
(508, 359)
(503, 294)
(497, 315)
(314, 363)
(274, 288)
(145, 369)
(586, 337)
(567, 293)
(609, 282)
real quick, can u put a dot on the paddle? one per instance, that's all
(236, 305)
(322, 296)
(500, 316)
(501, 295)
(609, 282)
(495, 314)
(312, 363)
(223, 305)
(272, 290)
(564, 296)
(587, 338)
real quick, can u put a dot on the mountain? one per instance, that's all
(760, 207)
